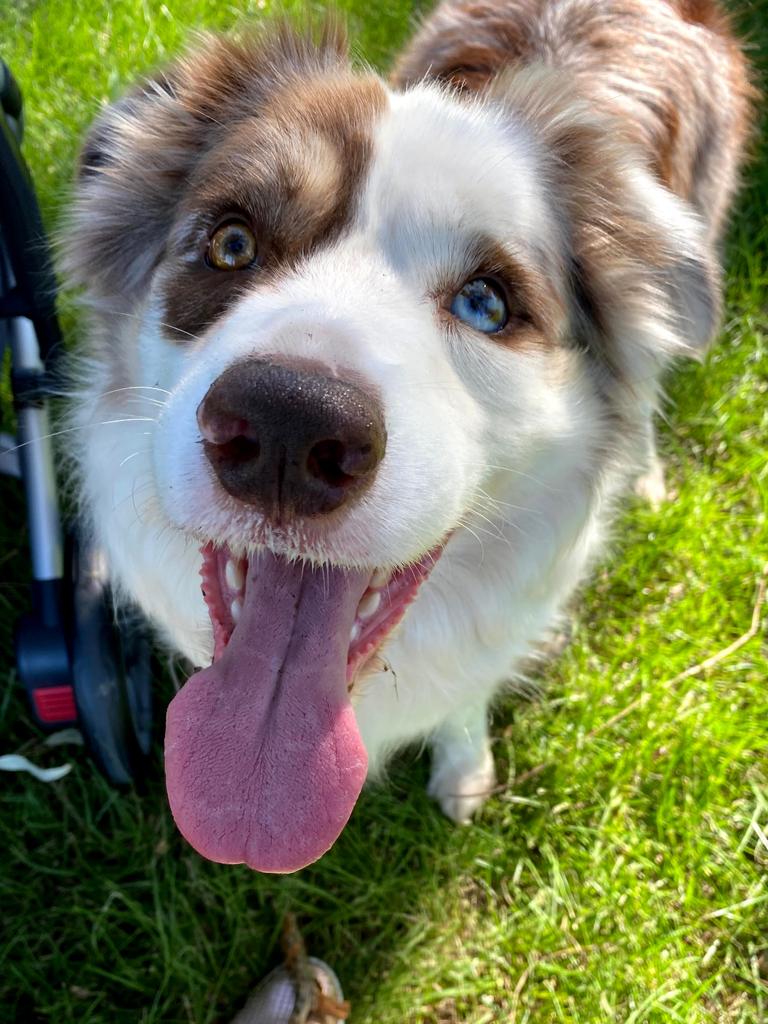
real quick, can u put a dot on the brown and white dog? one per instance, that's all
(376, 360)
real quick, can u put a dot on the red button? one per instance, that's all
(55, 704)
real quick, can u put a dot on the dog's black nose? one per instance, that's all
(290, 441)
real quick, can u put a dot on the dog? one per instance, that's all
(367, 366)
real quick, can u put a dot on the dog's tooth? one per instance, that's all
(234, 575)
(354, 635)
(379, 579)
(369, 604)
(235, 608)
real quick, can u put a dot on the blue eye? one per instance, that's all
(480, 303)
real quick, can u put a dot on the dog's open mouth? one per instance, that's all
(264, 762)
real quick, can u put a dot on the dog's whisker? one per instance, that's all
(146, 398)
(136, 489)
(498, 520)
(433, 386)
(83, 426)
(134, 387)
(494, 530)
(465, 526)
(505, 504)
(133, 455)
(162, 323)
(484, 503)
(496, 533)
(518, 472)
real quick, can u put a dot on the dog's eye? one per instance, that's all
(231, 247)
(481, 304)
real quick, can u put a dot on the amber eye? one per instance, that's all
(231, 247)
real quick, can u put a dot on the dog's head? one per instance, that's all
(366, 314)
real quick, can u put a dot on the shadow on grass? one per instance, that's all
(110, 904)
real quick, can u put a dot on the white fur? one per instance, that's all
(505, 446)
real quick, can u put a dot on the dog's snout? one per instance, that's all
(290, 441)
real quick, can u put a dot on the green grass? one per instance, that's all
(624, 881)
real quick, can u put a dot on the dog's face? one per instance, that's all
(365, 314)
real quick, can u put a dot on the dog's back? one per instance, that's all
(669, 72)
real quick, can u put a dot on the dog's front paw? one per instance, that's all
(651, 487)
(461, 788)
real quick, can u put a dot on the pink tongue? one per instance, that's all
(263, 759)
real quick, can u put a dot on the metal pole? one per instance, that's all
(35, 454)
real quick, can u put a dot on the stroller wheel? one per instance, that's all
(111, 671)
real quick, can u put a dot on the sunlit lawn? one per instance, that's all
(623, 879)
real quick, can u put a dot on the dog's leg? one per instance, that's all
(463, 774)
(650, 484)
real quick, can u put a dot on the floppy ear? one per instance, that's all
(652, 273)
(465, 45)
(644, 266)
(139, 153)
(645, 282)
(130, 175)
(694, 296)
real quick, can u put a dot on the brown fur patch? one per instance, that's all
(213, 120)
(619, 259)
(293, 172)
(669, 72)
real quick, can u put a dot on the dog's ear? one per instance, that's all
(141, 150)
(653, 273)
(130, 174)
(465, 46)
(645, 281)
(693, 287)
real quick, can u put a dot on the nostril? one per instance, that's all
(338, 464)
(359, 460)
(326, 462)
(219, 427)
(237, 450)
